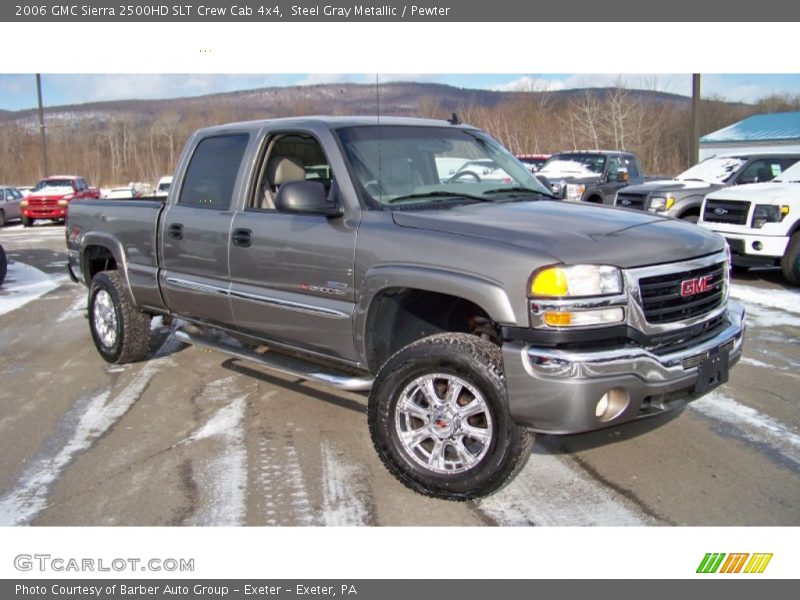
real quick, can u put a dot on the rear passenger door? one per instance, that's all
(195, 230)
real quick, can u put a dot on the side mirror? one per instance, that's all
(622, 176)
(305, 197)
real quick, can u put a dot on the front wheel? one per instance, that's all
(439, 420)
(121, 332)
(27, 221)
(790, 263)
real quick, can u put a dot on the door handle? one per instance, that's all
(175, 231)
(241, 237)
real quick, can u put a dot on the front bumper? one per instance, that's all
(753, 249)
(45, 213)
(557, 391)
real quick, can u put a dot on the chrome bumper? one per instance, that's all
(558, 391)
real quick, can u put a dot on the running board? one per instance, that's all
(284, 364)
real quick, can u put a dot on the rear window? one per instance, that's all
(211, 175)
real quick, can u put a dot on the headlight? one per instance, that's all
(23, 204)
(575, 190)
(768, 213)
(576, 281)
(661, 203)
(63, 202)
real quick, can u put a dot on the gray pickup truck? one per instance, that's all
(682, 197)
(475, 312)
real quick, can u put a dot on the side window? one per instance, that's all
(290, 157)
(211, 175)
(2, 195)
(630, 166)
(16, 194)
(759, 171)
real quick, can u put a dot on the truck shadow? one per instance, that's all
(297, 385)
(567, 444)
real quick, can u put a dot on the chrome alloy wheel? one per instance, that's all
(443, 423)
(104, 316)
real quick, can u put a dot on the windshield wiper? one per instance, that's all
(518, 189)
(437, 194)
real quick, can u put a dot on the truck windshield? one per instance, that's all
(575, 164)
(713, 170)
(405, 164)
(53, 183)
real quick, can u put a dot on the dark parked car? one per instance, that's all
(590, 176)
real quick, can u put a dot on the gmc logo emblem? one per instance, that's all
(698, 285)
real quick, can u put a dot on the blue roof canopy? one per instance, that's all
(759, 128)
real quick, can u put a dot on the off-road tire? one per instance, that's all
(27, 221)
(3, 265)
(132, 331)
(790, 262)
(479, 363)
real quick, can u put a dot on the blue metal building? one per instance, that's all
(773, 132)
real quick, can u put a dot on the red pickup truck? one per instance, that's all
(51, 196)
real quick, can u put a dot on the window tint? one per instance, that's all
(765, 169)
(212, 172)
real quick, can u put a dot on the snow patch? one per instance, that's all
(24, 284)
(222, 479)
(93, 418)
(786, 300)
(76, 309)
(550, 492)
(342, 489)
(752, 425)
(755, 363)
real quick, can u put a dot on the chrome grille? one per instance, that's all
(664, 299)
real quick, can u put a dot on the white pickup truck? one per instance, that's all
(761, 222)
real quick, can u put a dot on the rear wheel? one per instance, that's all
(27, 221)
(3, 265)
(439, 420)
(690, 218)
(790, 263)
(2, 219)
(121, 332)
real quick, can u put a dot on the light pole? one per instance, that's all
(695, 147)
(42, 137)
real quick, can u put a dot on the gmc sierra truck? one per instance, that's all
(475, 313)
(761, 222)
(590, 176)
(681, 197)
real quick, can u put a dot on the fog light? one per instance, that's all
(612, 404)
(757, 245)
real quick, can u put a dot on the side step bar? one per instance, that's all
(284, 364)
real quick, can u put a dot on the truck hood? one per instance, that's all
(572, 233)
(673, 185)
(761, 193)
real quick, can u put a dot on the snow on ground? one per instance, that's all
(550, 491)
(84, 423)
(23, 284)
(342, 491)
(222, 480)
(786, 300)
(76, 309)
(750, 424)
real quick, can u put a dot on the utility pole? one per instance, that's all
(695, 147)
(42, 137)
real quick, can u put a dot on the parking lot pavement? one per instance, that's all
(194, 437)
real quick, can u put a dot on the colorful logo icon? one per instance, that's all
(734, 563)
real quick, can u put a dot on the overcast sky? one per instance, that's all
(19, 91)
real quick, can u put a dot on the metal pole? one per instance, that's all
(42, 138)
(695, 148)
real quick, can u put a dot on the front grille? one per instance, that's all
(663, 299)
(631, 200)
(42, 202)
(732, 212)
